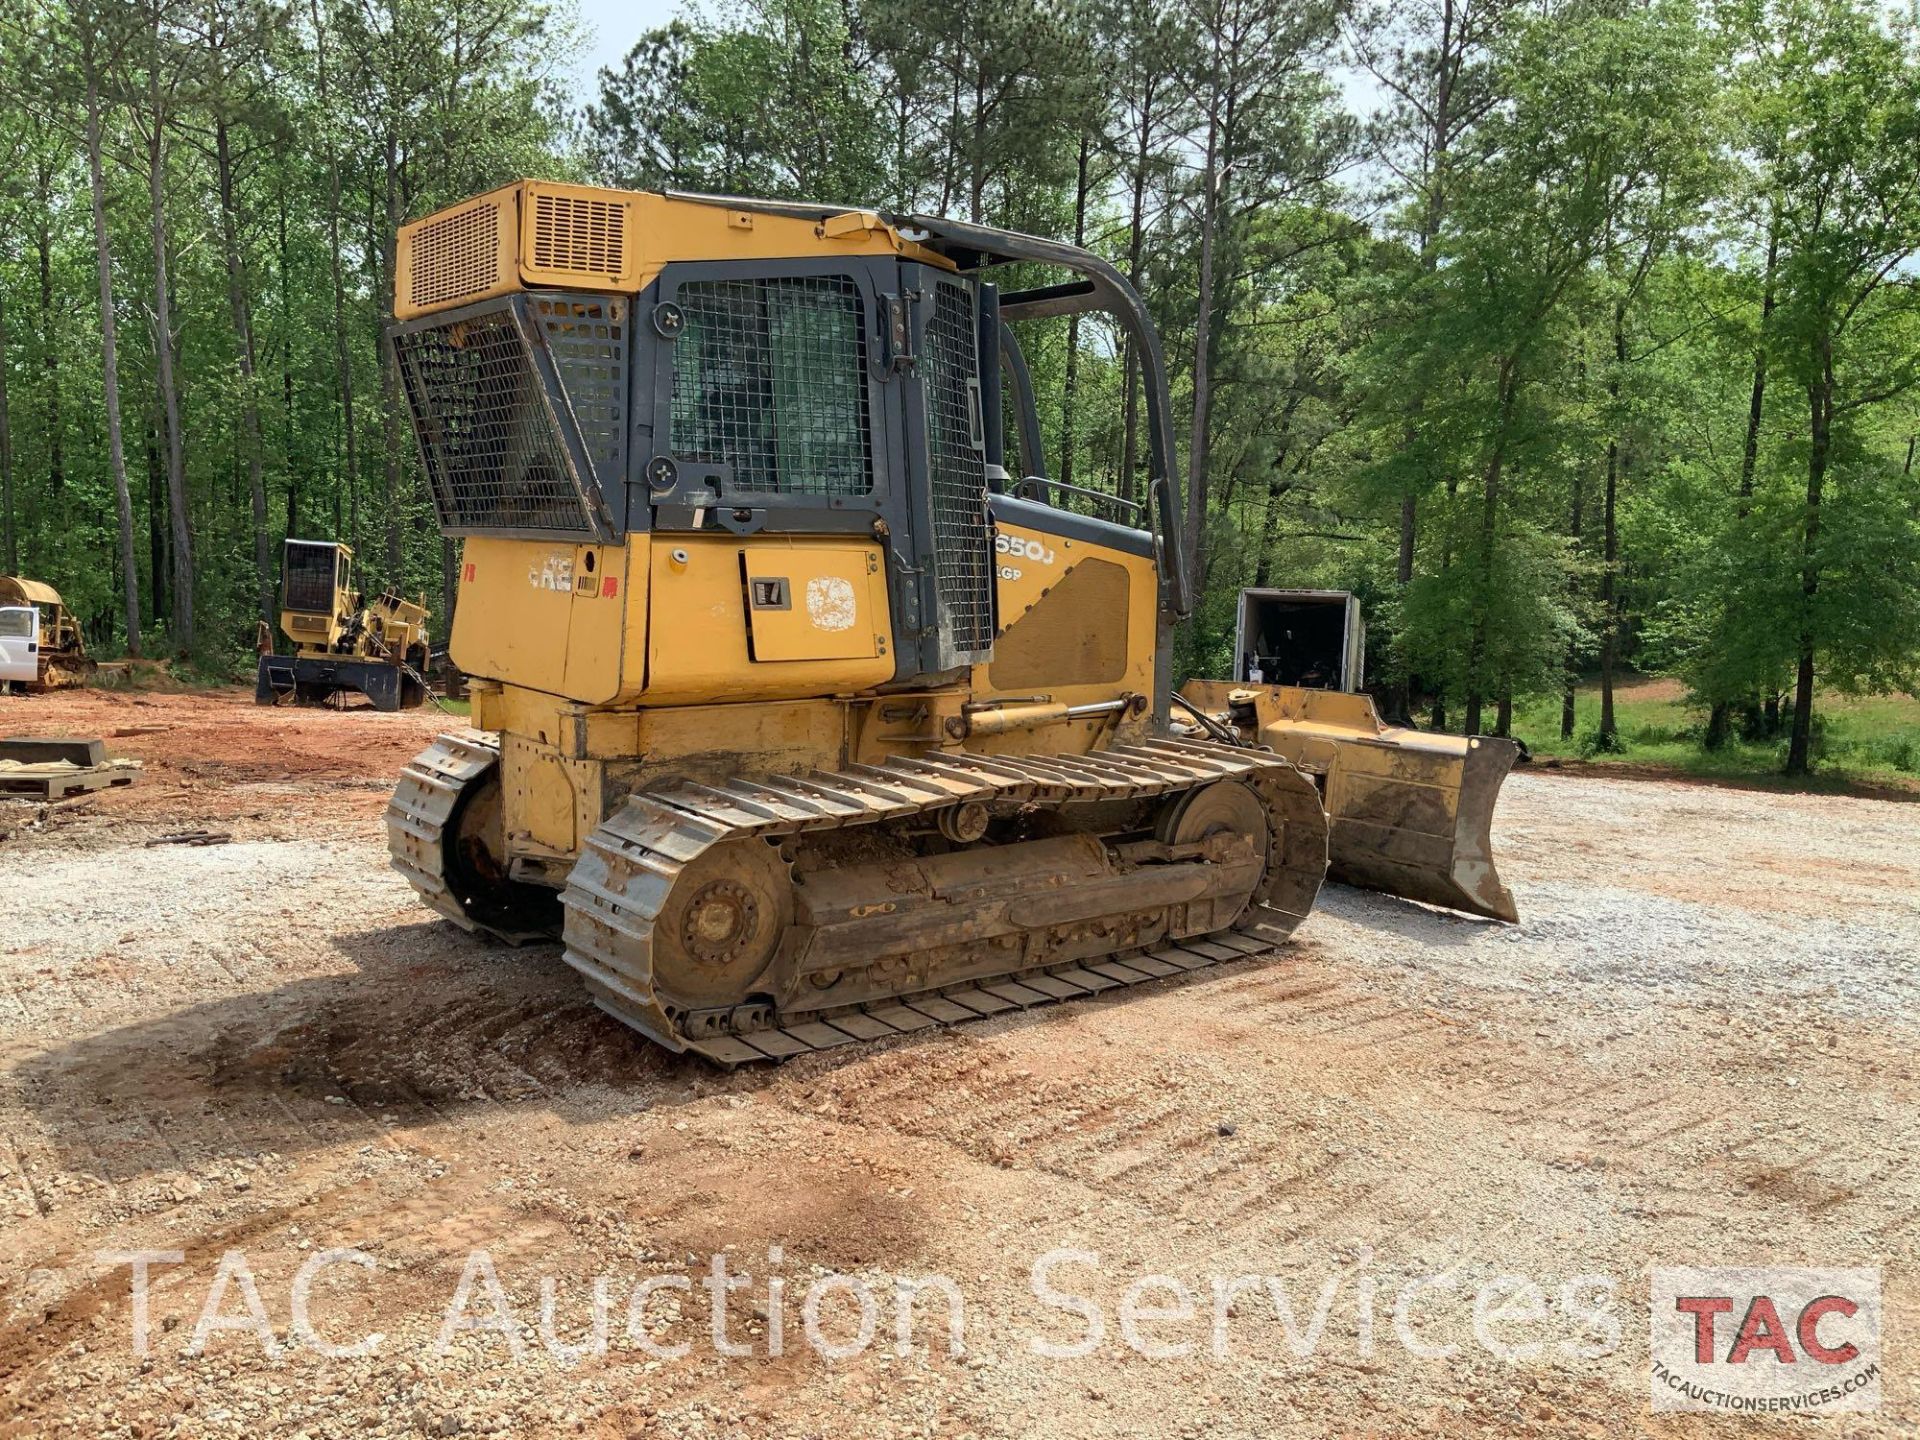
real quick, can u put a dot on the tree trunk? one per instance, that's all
(342, 351)
(1508, 391)
(1609, 639)
(1400, 698)
(390, 383)
(1610, 543)
(1198, 436)
(449, 583)
(1440, 136)
(1720, 717)
(110, 360)
(1819, 449)
(1567, 693)
(6, 452)
(1503, 714)
(1072, 379)
(244, 357)
(157, 549)
(288, 417)
(1750, 453)
(1136, 243)
(977, 154)
(49, 340)
(181, 533)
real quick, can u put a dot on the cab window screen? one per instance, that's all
(770, 379)
(16, 624)
(307, 584)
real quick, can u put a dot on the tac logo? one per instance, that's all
(1763, 1340)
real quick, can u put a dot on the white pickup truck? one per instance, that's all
(19, 645)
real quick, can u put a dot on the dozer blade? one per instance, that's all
(1410, 813)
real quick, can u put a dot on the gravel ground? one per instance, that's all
(1698, 1047)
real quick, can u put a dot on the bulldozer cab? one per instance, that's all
(316, 592)
(1315, 639)
(852, 398)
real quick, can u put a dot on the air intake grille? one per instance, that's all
(575, 234)
(456, 256)
(493, 459)
(956, 462)
(770, 378)
(306, 580)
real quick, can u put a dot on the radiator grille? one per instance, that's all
(577, 234)
(455, 256)
(770, 378)
(306, 578)
(956, 463)
(492, 457)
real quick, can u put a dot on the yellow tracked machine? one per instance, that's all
(341, 646)
(800, 718)
(1410, 812)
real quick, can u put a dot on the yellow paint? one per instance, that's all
(824, 614)
(1341, 736)
(717, 742)
(698, 644)
(554, 616)
(908, 723)
(389, 626)
(1028, 564)
(605, 666)
(549, 801)
(515, 248)
(458, 255)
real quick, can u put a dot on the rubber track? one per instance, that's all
(630, 863)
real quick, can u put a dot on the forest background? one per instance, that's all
(1581, 340)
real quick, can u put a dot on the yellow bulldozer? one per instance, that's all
(64, 661)
(341, 645)
(1409, 812)
(800, 717)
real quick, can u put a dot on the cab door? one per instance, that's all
(19, 643)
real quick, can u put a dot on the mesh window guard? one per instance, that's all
(492, 457)
(306, 581)
(587, 339)
(770, 379)
(962, 558)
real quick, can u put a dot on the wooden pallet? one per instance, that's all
(56, 782)
(55, 769)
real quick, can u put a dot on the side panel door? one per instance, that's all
(773, 487)
(1353, 659)
(20, 643)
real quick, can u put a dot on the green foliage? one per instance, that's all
(1521, 314)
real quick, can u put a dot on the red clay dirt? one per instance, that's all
(1698, 1047)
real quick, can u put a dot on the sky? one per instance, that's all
(611, 27)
